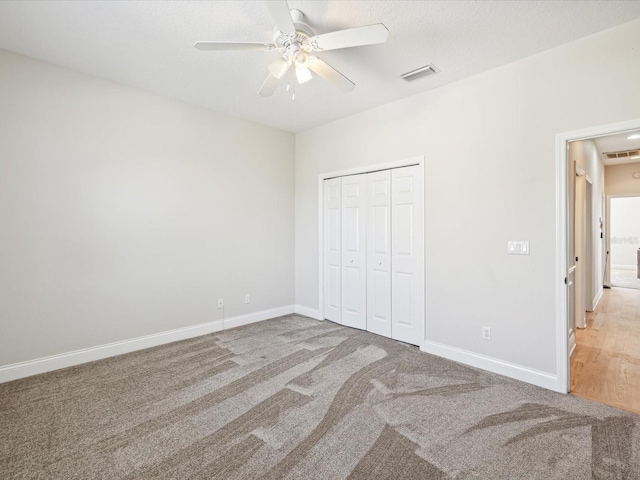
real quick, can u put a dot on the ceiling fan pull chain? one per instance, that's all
(293, 87)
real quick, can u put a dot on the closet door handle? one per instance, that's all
(379, 263)
(351, 261)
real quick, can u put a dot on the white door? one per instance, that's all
(354, 251)
(332, 250)
(379, 252)
(407, 255)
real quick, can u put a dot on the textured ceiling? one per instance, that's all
(149, 45)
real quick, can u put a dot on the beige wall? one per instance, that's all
(489, 143)
(124, 214)
(619, 179)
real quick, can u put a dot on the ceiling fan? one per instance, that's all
(295, 42)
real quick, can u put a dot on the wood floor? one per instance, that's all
(605, 365)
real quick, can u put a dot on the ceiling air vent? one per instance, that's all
(420, 72)
(630, 154)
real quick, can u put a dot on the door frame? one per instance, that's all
(562, 203)
(419, 161)
(590, 258)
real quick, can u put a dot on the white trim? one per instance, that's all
(68, 359)
(623, 195)
(240, 320)
(618, 266)
(511, 370)
(597, 298)
(321, 246)
(307, 312)
(562, 322)
(374, 167)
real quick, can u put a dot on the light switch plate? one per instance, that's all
(519, 247)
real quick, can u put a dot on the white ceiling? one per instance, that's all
(618, 143)
(149, 45)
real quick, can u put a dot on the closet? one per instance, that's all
(374, 252)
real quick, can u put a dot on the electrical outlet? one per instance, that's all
(247, 298)
(486, 333)
(220, 303)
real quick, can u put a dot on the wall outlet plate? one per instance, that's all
(247, 298)
(220, 303)
(486, 333)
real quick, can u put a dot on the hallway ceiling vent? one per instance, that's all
(624, 154)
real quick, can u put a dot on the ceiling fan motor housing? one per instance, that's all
(301, 39)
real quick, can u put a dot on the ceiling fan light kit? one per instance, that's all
(296, 43)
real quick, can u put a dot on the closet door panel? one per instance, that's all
(379, 253)
(407, 255)
(333, 250)
(354, 251)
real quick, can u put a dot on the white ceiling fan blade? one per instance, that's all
(330, 74)
(303, 75)
(268, 86)
(279, 67)
(279, 10)
(353, 37)
(207, 46)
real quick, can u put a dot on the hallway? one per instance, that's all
(605, 365)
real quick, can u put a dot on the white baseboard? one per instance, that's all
(308, 312)
(623, 267)
(68, 359)
(597, 299)
(240, 320)
(511, 370)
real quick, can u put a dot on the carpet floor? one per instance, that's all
(298, 398)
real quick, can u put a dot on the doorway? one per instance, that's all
(601, 324)
(624, 238)
(585, 186)
(584, 244)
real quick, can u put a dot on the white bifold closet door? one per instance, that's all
(407, 255)
(374, 252)
(333, 249)
(354, 251)
(379, 252)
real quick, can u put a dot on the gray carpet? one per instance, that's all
(297, 398)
